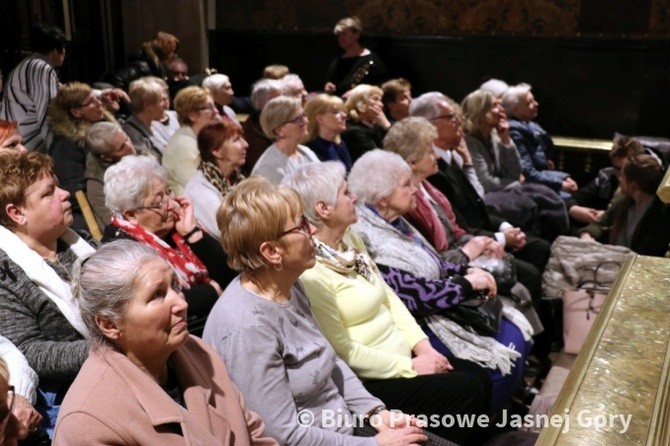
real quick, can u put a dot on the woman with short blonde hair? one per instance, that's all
(366, 124)
(327, 120)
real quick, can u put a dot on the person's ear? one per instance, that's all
(76, 112)
(16, 214)
(130, 215)
(108, 327)
(272, 253)
(323, 210)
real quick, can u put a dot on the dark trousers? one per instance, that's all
(440, 394)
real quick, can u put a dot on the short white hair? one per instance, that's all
(290, 83)
(495, 86)
(128, 181)
(316, 182)
(513, 96)
(425, 106)
(215, 81)
(100, 137)
(264, 90)
(376, 174)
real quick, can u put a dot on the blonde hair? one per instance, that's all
(411, 138)
(188, 100)
(275, 71)
(352, 22)
(145, 91)
(475, 106)
(276, 112)
(357, 101)
(254, 212)
(318, 105)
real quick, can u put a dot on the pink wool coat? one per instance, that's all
(112, 401)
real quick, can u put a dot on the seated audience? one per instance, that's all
(377, 337)
(637, 219)
(146, 380)
(32, 84)
(261, 92)
(534, 144)
(588, 204)
(292, 86)
(326, 120)
(285, 369)
(222, 153)
(108, 143)
(221, 90)
(424, 281)
(396, 97)
(357, 65)
(284, 121)
(144, 210)
(74, 109)
(195, 108)
(11, 429)
(366, 124)
(37, 251)
(532, 206)
(149, 100)
(11, 140)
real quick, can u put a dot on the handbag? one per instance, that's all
(481, 314)
(502, 269)
(581, 306)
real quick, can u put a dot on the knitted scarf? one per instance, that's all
(189, 269)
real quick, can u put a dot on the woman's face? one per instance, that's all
(344, 211)
(121, 146)
(347, 37)
(233, 151)
(154, 322)
(158, 213)
(494, 114)
(90, 110)
(527, 108)
(425, 165)
(47, 209)
(157, 109)
(374, 107)
(333, 120)
(298, 250)
(295, 128)
(206, 114)
(403, 197)
(13, 144)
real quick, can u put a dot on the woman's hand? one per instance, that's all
(397, 429)
(585, 215)
(185, 216)
(375, 111)
(26, 413)
(386, 420)
(329, 87)
(481, 280)
(428, 361)
(586, 236)
(515, 238)
(111, 98)
(482, 245)
(463, 151)
(503, 131)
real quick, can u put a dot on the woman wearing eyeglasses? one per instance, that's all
(195, 108)
(146, 211)
(264, 329)
(327, 120)
(284, 121)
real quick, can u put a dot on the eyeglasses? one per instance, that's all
(168, 195)
(302, 227)
(337, 111)
(10, 407)
(452, 117)
(94, 101)
(298, 120)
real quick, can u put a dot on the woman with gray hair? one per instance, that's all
(534, 144)
(376, 336)
(261, 92)
(149, 98)
(284, 121)
(221, 89)
(146, 211)
(146, 380)
(428, 284)
(108, 143)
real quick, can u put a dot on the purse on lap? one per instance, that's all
(481, 314)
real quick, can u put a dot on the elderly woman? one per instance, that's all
(222, 152)
(10, 138)
(168, 124)
(37, 251)
(284, 121)
(377, 336)
(427, 283)
(74, 109)
(149, 99)
(499, 169)
(108, 143)
(146, 380)
(533, 142)
(637, 219)
(221, 89)
(326, 121)
(145, 210)
(366, 124)
(181, 158)
(261, 93)
(264, 329)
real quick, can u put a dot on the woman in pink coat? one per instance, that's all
(146, 380)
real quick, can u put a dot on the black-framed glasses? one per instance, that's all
(298, 120)
(168, 195)
(10, 407)
(452, 117)
(302, 227)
